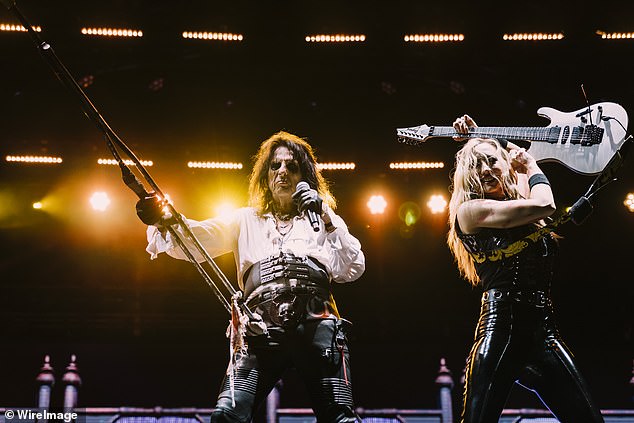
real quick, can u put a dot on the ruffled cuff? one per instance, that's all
(157, 242)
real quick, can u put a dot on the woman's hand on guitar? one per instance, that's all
(522, 161)
(462, 126)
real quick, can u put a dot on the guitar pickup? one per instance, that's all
(553, 135)
(586, 135)
(592, 135)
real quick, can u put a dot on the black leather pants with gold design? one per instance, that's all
(516, 340)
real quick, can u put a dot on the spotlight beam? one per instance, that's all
(113, 141)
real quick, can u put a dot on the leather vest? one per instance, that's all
(286, 289)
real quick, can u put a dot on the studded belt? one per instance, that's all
(523, 296)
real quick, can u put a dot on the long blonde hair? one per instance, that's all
(466, 186)
(260, 196)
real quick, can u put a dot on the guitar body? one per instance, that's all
(588, 159)
(584, 140)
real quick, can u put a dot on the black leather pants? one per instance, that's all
(316, 349)
(519, 341)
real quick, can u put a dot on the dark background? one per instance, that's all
(151, 333)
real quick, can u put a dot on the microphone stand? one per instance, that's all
(583, 207)
(129, 178)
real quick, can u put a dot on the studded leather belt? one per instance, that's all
(523, 296)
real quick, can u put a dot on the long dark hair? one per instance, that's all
(260, 196)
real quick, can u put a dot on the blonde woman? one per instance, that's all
(499, 199)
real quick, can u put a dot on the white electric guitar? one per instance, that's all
(583, 141)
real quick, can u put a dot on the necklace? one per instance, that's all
(283, 227)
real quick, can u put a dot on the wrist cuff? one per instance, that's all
(330, 227)
(503, 142)
(536, 179)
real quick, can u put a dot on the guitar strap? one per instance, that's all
(519, 245)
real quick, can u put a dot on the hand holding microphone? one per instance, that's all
(308, 201)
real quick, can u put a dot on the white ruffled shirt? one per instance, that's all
(252, 238)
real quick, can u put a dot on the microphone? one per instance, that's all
(312, 216)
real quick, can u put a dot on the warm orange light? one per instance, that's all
(335, 38)
(18, 28)
(629, 202)
(615, 35)
(214, 36)
(416, 165)
(433, 38)
(113, 162)
(34, 159)
(437, 204)
(336, 166)
(112, 32)
(535, 36)
(377, 204)
(100, 201)
(215, 165)
(225, 208)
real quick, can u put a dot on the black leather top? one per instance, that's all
(531, 268)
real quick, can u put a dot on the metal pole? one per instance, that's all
(273, 403)
(445, 382)
(46, 380)
(72, 381)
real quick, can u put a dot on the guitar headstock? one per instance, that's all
(414, 135)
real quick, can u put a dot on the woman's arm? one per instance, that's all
(486, 213)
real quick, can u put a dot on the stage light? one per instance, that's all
(113, 162)
(336, 166)
(535, 36)
(615, 35)
(156, 85)
(409, 212)
(86, 81)
(377, 204)
(437, 204)
(18, 28)
(34, 159)
(335, 38)
(224, 208)
(37, 205)
(112, 32)
(433, 38)
(416, 165)
(629, 202)
(168, 201)
(215, 165)
(216, 36)
(100, 201)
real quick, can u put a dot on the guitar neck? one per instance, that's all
(510, 133)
